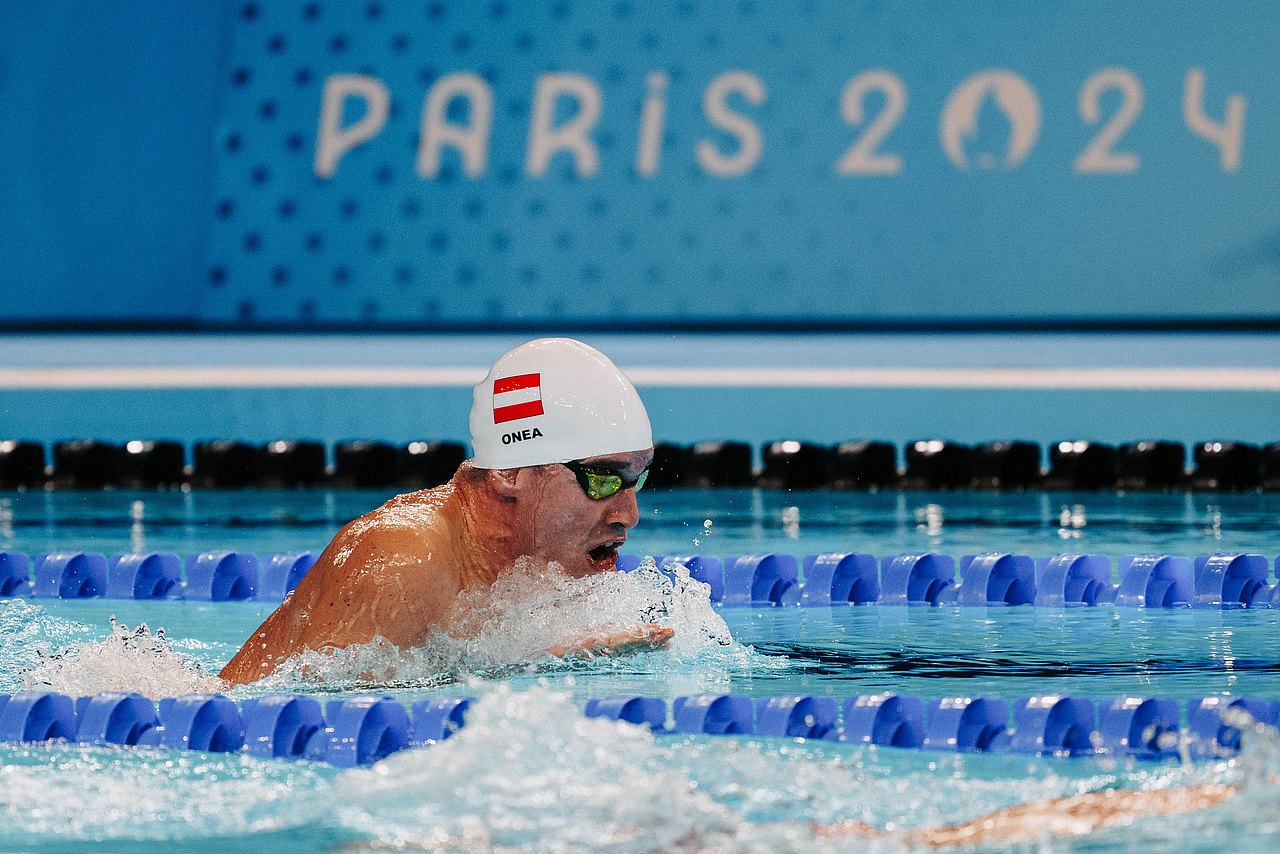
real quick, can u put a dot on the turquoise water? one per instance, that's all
(1040, 523)
(528, 774)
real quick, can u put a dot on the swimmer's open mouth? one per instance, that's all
(605, 554)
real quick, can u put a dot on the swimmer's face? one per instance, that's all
(565, 525)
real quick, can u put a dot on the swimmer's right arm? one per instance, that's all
(645, 636)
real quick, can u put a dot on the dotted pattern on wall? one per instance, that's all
(378, 244)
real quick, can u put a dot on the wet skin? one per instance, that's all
(395, 572)
(1034, 822)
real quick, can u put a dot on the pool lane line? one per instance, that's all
(362, 730)
(392, 376)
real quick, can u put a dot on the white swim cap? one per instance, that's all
(555, 400)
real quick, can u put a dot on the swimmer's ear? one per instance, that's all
(504, 482)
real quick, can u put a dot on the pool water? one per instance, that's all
(528, 773)
(675, 521)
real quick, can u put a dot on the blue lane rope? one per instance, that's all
(1219, 581)
(214, 576)
(363, 730)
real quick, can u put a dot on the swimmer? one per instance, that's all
(562, 443)
(1031, 823)
(1036, 821)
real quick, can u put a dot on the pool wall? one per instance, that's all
(304, 164)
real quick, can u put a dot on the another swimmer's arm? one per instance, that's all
(1072, 816)
(643, 637)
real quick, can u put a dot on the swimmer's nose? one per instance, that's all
(623, 508)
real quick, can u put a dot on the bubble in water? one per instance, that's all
(706, 532)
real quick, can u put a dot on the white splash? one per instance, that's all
(127, 660)
(102, 799)
(530, 609)
(528, 773)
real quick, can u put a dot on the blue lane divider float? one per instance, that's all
(705, 568)
(70, 575)
(1213, 719)
(838, 579)
(761, 579)
(629, 562)
(715, 714)
(1054, 724)
(15, 573)
(647, 711)
(967, 724)
(1138, 726)
(222, 576)
(281, 574)
(143, 576)
(114, 718)
(891, 720)
(1220, 581)
(1155, 581)
(280, 726)
(210, 723)
(796, 716)
(436, 719)
(916, 579)
(363, 730)
(1230, 581)
(1073, 580)
(36, 717)
(997, 579)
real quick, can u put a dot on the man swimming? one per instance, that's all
(562, 443)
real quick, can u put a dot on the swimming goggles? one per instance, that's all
(600, 483)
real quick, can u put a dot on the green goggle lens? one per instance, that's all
(601, 483)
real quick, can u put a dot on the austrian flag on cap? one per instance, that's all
(517, 397)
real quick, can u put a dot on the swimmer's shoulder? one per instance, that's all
(404, 524)
(417, 511)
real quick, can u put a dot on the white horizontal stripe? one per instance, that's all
(319, 376)
(517, 396)
(1192, 379)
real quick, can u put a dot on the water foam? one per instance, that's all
(27, 632)
(532, 607)
(529, 774)
(65, 792)
(129, 659)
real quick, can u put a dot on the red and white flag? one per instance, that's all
(517, 397)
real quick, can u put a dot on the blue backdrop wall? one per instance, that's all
(440, 163)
